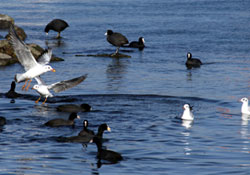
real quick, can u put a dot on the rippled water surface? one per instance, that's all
(139, 97)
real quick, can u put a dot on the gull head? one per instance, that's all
(244, 100)
(49, 68)
(36, 87)
(186, 107)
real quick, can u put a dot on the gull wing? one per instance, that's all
(39, 80)
(22, 51)
(64, 85)
(45, 57)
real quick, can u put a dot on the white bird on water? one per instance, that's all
(27, 60)
(43, 89)
(245, 109)
(187, 113)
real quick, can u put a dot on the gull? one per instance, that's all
(31, 66)
(43, 89)
(245, 109)
(187, 113)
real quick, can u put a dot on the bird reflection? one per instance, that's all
(115, 72)
(187, 124)
(245, 119)
(187, 148)
(54, 43)
(244, 133)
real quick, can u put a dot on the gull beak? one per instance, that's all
(109, 129)
(32, 88)
(53, 70)
(78, 117)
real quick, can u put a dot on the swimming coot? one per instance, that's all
(82, 137)
(104, 154)
(11, 93)
(74, 108)
(138, 44)
(192, 62)
(62, 122)
(2, 121)
(86, 132)
(57, 25)
(116, 39)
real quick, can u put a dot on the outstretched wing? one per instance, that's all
(39, 80)
(22, 51)
(45, 57)
(64, 85)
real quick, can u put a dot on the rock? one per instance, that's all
(6, 48)
(5, 21)
(20, 32)
(6, 59)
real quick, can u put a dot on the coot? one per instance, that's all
(57, 25)
(116, 39)
(2, 121)
(192, 62)
(12, 93)
(104, 154)
(62, 122)
(138, 44)
(74, 108)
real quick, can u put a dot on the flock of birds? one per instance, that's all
(35, 68)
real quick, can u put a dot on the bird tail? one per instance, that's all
(19, 78)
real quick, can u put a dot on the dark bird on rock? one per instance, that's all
(116, 39)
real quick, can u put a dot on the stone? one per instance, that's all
(20, 32)
(6, 59)
(5, 21)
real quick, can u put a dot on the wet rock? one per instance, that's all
(5, 21)
(118, 55)
(20, 32)
(6, 59)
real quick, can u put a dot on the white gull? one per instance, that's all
(43, 89)
(27, 60)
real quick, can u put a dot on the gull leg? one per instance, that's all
(28, 85)
(24, 84)
(38, 100)
(45, 100)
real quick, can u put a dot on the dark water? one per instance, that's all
(138, 97)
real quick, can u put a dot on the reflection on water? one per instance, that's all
(115, 73)
(187, 123)
(187, 149)
(54, 43)
(245, 133)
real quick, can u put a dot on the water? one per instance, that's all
(138, 97)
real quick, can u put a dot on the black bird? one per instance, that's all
(104, 154)
(74, 108)
(86, 132)
(192, 62)
(2, 121)
(57, 25)
(138, 44)
(62, 122)
(11, 93)
(85, 138)
(116, 39)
